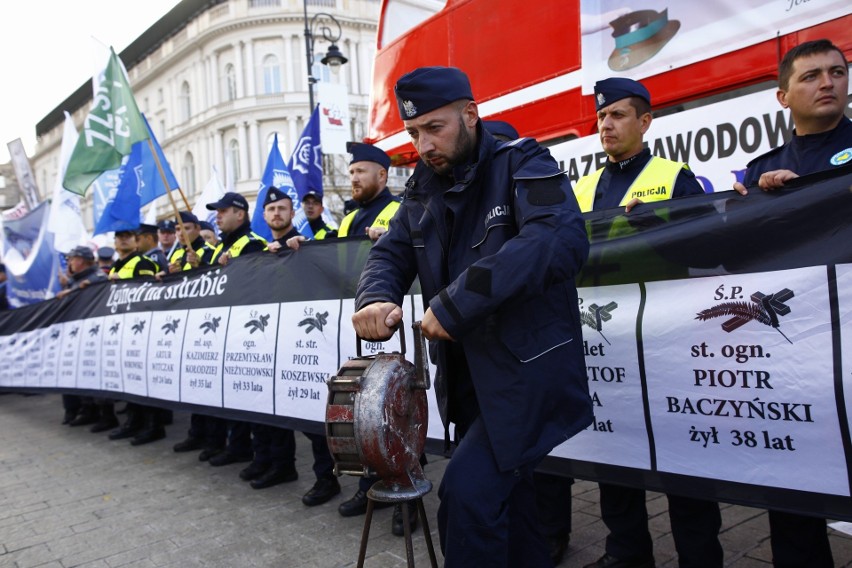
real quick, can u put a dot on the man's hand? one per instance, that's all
(432, 328)
(191, 258)
(740, 188)
(273, 246)
(224, 258)
(775, 179)
(377, 321)
(375, 232)
(294, 242)
(174, 267)
(631, 204)
(63, 293)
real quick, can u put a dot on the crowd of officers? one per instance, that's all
(813, 84)
(170, 247)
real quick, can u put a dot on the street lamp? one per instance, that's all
(334, 58)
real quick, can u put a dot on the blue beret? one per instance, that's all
(230, 199)
(274, 194)
(500, 128)
(367, 153)
(427, 88)
(188, 217)
(614, 89)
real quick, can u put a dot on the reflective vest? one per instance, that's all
(200, 252)
(381, 220)
(238, 245)
(321, 234)
(654, 183)
(129, 270)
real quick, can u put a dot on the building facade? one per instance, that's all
(217, 79)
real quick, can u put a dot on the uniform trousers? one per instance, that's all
(277, 447)
(695, 527)
(488, 517)
(798, 540)
(211, 430)
(553, 500)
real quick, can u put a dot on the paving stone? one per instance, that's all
(84, 501)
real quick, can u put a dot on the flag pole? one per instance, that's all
(171, 197)
(185, 200)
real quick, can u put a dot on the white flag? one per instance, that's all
(66, 220)
(213, 192)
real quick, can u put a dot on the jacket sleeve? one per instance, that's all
(391, 265)
(549, 248)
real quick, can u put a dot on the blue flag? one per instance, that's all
(274, 174)
(139, 183)
(306, 168)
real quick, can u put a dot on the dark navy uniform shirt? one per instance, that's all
(806, 154)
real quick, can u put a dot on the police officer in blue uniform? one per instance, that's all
(495, 236)
(368, 174)
(232, 217)
(623, 117)
(813, 82)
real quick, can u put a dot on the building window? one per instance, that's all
(282, 146)
(271, 75)
(264, 3)
(233, 163)
(162, 130)
(230, 82)
(185, 103)
(188, 174)
(160, 96)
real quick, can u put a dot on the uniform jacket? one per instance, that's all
(496, 253)
(238, 242)
(805, 154)
(91, 275)
(368, 215)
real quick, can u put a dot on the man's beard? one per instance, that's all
(461, 153)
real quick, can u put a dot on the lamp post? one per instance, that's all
(333, 58)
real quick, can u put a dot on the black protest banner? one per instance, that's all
(716, 344)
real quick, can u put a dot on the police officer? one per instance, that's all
(140, 422)
(206, 433)
(232, 217)
(313, 207)
(495, 236)
(167, 237)
(84, 410)
(813, 82)
(208, 233)
(105, 260)
(553, 492)
(200, 252)
(624, 116)
(368, 174)
(146, 244)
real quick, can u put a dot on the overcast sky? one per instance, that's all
(47, 53)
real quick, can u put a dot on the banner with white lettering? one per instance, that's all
(716, 331)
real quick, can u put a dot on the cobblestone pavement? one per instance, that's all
(69, 498)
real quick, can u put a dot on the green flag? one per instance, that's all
(114, 124)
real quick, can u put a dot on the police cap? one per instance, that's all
(105, 253)
(313, 195)
(166, 225)
(367, 153)
(274, 194)
(608, 91)
(146, 229)
(427, 88)
(230, 199)
(188, 217)
(205, 226)
(81, 251)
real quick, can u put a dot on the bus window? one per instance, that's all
(402, 15)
